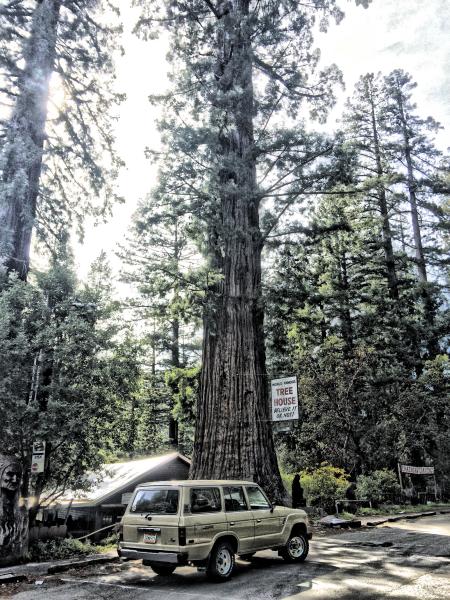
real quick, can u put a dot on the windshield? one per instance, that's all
(157, 501)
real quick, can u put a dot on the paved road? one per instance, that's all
(406, 560)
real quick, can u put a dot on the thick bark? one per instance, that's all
(233, 436)
(22, 156)
(382, 203)
(13, 518)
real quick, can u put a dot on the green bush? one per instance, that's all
(379, 486)
(40, 550)
(324, 485)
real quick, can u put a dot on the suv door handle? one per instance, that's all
(231, 522)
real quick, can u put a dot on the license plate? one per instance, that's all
(150, 538)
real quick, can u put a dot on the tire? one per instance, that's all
(247, 556)
(221, 562)
(296, 549)
(160, 569)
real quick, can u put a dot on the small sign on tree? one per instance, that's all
(284, 399)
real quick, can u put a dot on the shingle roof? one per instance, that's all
(115, 477)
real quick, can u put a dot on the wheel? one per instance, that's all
(248, 556)
(296, 549)
(221, 562)
(160, 569)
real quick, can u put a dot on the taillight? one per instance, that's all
(182, 536)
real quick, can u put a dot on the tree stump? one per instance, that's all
(13, 517)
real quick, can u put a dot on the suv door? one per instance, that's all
(239, 517)
(205, 513)
(268, 524)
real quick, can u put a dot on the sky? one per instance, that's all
(408, 34)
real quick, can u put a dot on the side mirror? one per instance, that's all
(272, 508)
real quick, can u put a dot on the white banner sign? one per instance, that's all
(417, 470)
(284, 399)
(38, 458)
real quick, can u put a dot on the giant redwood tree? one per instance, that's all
(242, 68)
(56, 152)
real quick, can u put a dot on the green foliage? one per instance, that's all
(324, 485)
(64, 376)
(40, 551)
(184, 384)
(379, 486)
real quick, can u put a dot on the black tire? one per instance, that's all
(248, 556)
(221, 562)
(296, 549)
(160, 569)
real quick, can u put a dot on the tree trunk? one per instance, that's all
(233, 438)
(411, 184)
(344, 303)
(13, 518)
(23, 151)
(433, 342)
(382, 203)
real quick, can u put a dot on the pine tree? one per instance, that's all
(158, 261)
(54, 42)
(418, 163)
(241, 64)
(365, 118)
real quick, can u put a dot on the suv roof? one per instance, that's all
(196, 482)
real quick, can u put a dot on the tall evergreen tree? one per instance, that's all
(417, 161)
(365, 118)
(70, 45)
(240, 64)
(418, 158)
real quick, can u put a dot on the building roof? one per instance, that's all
(115, 477)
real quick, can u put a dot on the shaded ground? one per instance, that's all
(404, 560)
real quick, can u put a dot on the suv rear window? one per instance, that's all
(158, 502)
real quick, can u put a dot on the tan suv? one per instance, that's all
(206, 523)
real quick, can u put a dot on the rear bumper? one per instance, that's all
(171, 558)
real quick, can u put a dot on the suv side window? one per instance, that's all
(205, 500)
(234, 499)
(257, 499)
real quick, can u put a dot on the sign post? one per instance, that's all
(411, 470)
(284, 395)
(38, 458)
(400, 476)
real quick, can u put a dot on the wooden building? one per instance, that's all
(111, 490)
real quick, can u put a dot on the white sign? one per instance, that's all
(126, 497)
(38, 457)
(417, 470)
(284, 399)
